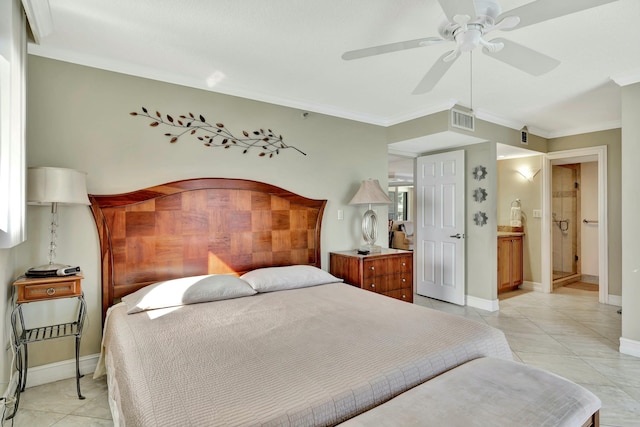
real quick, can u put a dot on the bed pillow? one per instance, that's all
(187, 290)
(291, 277)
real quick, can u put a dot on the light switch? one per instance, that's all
(340, 214)
(537, 213)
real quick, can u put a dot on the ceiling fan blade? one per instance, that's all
(542, 10)
(523, 58)
(437, 71)
(391, 47)
(452, 8)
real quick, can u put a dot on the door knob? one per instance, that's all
(457, 236)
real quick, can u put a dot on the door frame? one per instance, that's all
(580, 155)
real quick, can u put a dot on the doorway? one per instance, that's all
(597, 158)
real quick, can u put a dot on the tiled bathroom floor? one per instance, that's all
(568, 333)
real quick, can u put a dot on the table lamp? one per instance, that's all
(54, 186)
(370, 193)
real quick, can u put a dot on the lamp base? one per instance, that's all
(372, 249)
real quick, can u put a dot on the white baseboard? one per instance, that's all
(614, 300)
(532, 286)
(630, 347)
(482, 304)
(57, 371)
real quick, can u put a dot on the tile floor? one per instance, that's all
(568, 333)
(571, 334)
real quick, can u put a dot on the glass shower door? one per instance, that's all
(565, 205)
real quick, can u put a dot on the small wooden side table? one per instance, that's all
(29, 290)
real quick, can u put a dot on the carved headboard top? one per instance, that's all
(201, 226)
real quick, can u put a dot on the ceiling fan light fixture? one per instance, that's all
(468, 40)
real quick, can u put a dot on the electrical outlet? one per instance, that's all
(537, 213)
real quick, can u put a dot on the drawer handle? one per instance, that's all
(404, 296)
(372, 268)
(404, 264)
(51, 291)
(404, 280)
(373, 285)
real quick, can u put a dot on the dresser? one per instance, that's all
(389, 272)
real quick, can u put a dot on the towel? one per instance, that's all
(516, 217)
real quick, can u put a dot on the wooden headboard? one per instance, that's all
(201, 226)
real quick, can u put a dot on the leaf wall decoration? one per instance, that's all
(217, 135)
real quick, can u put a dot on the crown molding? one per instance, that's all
(39, 16)
(627, 78)
(598, 127)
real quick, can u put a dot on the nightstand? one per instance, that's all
(389, 272)
(40, 290)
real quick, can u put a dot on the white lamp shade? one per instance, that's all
(370, 193)
(46, 185)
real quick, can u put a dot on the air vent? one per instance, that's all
(462, 120)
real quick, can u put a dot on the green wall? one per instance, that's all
(630, 206)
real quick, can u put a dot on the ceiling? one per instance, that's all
(289, 53)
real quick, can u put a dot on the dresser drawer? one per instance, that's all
(41, 290)
(376, 283)
(398, 281)
(405, 294)
(374, 267)
(403, 264)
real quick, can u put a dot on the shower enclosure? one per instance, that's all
(565, 228)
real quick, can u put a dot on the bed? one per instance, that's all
(293, 347)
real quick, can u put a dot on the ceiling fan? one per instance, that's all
(468, 21)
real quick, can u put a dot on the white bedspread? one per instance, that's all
(313, 356)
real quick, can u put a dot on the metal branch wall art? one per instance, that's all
(217, 135)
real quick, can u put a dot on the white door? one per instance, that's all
(439, 246)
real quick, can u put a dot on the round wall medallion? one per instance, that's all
(479, 195)
(480, 218)
(479, 173)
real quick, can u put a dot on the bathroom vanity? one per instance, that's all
(510, 260)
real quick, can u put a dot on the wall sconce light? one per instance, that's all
(528, 173)
(370, 193)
